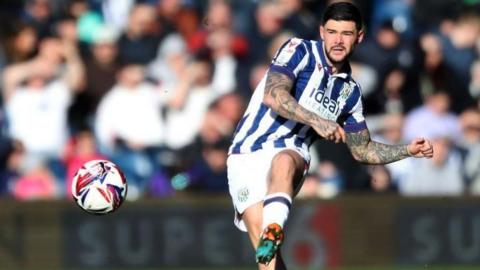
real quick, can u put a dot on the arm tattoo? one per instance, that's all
(278, 87)
(367, 151)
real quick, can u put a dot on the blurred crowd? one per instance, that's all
(157, 86)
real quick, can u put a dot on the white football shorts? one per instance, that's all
(248, 176)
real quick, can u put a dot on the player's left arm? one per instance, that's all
(367, 151)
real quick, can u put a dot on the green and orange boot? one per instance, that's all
(270, 241)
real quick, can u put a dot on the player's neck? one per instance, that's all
(333, 67)
(336, 68)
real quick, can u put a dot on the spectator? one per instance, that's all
(20, 44)
(458, 46)
(390, 99)
(221, 118)
(138, 44)
(37, 94)
(474, 85)
(80, 149)
(218, 122)
(390, 132)
(36, 184)
(432, 118)
(298, 19)
(384, 52)
(87, 25)
(11, 156)
(380, 180)
(167, 11)
(324, 181)
(227, 45)
(331, 181)
(189, 103)
(115, 13)
(224, 62)
(170, 62)
(209, 170)
(438, 176)
(141, 62)
(187, 24)
(38, 13)
(470, 123)
(309, 188)
(435, 74)
(101, 70)
(256, 75)
(219, 36)
(266, 24)
(429, 14)
(129, 127)
(76, 8)
(66, 29)
(399, 11)
(366, 76)
(17, 45)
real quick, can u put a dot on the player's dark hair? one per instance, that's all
(343, 11)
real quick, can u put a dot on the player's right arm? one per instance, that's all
(277, 97)
(367, 151)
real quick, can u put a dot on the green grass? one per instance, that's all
(426, 267)
(354, 268)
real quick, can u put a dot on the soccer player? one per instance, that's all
(308, 92)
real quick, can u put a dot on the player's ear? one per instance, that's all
(361, 35)
(321, 29)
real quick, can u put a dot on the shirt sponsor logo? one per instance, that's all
(323, 105)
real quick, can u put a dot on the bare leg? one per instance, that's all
(253, 218)
(286, 172)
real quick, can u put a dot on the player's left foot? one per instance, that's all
(270, 241)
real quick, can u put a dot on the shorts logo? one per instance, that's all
(242, 194)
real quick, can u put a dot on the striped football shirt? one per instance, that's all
(336, 97)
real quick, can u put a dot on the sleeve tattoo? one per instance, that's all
(278, 87)
(367, 151)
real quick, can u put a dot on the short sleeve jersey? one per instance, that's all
(336, 97)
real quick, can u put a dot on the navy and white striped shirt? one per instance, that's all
(336, 97)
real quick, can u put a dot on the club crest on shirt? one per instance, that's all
(242, 194)
(346, 90)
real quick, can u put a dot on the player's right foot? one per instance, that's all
(270, 241)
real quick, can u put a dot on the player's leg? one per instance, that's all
(253, 219)
(248, 175)
(286, 172)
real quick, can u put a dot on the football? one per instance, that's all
(99, 187)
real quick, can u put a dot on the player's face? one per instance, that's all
(340, 38)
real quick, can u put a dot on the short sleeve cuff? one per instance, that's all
(283, 70)
(355, 127)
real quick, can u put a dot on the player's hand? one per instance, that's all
(420, 147)
(330, 130)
